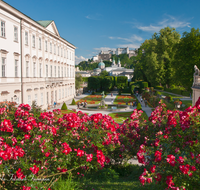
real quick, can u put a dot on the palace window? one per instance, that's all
(3, 71)
(27, 69)
(58, 71)
(55, 70)
(40, 43)
(29, 100)
(46, 70)
(34, 69)
(36, 99)
(33, 39)
(50, 47)
(51, 71)
(26, 38)
(62, 93)
(3, 29)
(41, 98)
(46, 46)
(16, 68)
(15, 34)
(55, 49)
(40, 69)
(59, 94)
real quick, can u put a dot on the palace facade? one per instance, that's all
(37, 64)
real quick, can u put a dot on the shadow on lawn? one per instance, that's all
(123, 177)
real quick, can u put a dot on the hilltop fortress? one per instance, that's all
(106, 55)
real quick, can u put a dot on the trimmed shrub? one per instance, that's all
(132, 87)
(93, 93)
(159, 87)
(144, 84)
(139, 107)
(64, 106)
(176, 91)
(168, 89)
(73, 102)
(185, 93)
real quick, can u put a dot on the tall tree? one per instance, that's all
(78, 81)
(187, 56)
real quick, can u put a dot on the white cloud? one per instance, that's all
(79, 59)
(169, 21)
(132, 39)
(131, 46)
(104, 49)
(94, 17)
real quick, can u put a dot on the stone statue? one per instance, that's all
(196, 70)
(102, 103)
(103, 96)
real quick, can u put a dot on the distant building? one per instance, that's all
(106, 55)
(114, 70)
(83, 73)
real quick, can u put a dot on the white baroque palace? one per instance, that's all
(36, 63)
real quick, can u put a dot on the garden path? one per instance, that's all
(147, 109)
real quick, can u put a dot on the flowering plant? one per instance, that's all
(52, 144)
(172, 148)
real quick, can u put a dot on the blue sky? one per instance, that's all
(95, 25)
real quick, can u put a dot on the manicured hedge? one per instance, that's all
(85, 79)
(144, 84)
(64, 106)
(159, 87)
(185, 93)
(176, 91)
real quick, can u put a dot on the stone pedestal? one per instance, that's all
(102, 103)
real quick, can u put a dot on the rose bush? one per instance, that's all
(172, 148)
(52, 144)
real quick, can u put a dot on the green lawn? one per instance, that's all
(125, 177)
(119, 117)
(173, 96)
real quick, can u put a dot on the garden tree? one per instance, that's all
(93, 83)
(78, 81)
(166, 50)
(187, 55)
(156, 62)
(122, 79)
(139, 62)
(107, 83)
(104, 73)
(121, 86)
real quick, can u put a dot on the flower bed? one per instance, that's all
(45, 147)
(91, 99)
(122, 99)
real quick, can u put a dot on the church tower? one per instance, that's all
(119, 63)
(113, 62)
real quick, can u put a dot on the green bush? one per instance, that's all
(139, 107)
(176, 91)
(158, 93)
(168, 89)
(151, 89)
(144, 84)
(64, 106)
(159, 87)
(73, 102)
(185, 93)
(132, 87)
(93, 93)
